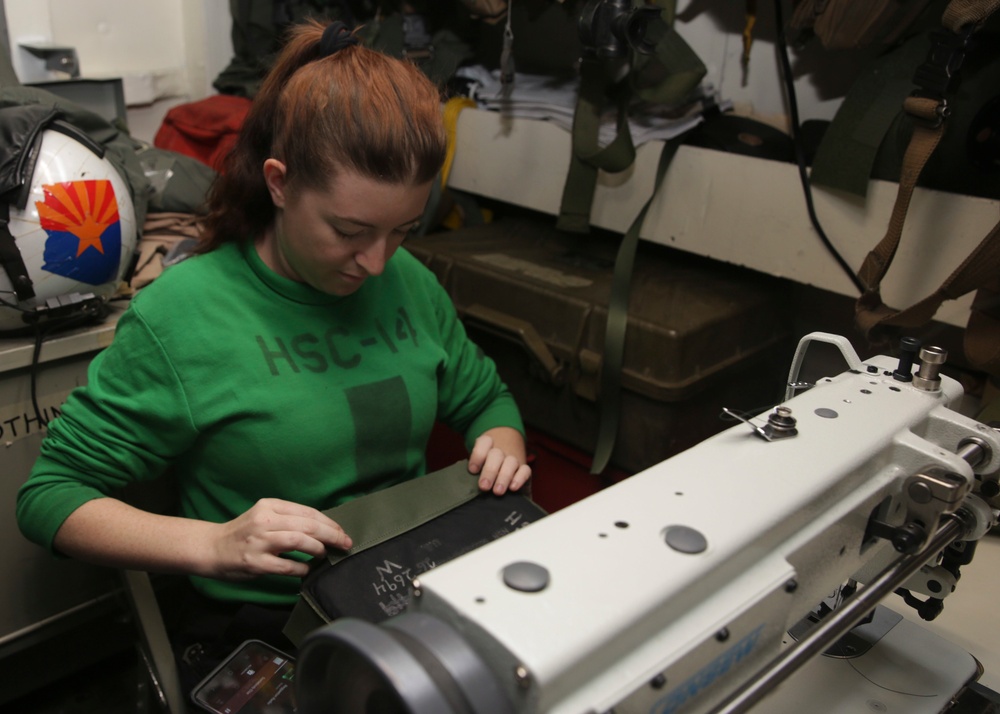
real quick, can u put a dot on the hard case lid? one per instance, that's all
(690, 318)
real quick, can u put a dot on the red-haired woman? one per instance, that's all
(299, 360)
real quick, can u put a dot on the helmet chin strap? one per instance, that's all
(11, 260)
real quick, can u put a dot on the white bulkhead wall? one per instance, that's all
(169, 51)
(166, 51)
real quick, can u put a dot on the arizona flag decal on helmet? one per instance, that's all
(84, 233)
(76, 233)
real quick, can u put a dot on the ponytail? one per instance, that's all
(350, 109)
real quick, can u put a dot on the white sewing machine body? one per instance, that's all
(668, 591)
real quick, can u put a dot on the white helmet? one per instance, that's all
(76, 232)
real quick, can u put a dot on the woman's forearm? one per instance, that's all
(110, 532)
(106, 531)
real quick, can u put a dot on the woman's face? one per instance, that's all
(333, 239)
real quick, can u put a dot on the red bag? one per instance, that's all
(205, 129)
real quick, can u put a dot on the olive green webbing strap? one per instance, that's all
(678, 72)
(156, 647)
(597, 90)
(612, 361)
(428, 220)
(380, 516)
(982, 265)
(847, 153)
(304, 618)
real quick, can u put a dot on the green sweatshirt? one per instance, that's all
(249, 385)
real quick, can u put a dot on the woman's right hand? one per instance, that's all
(253, 543)
(106, 531)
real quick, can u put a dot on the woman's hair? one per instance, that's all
(355, 109)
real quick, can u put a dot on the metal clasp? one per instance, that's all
(936, 77)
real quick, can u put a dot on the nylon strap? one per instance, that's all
(749, 20)
(156, 642)
(978, 270)
(431, 208)
(678, 72)
(11, 259)
(846, 154)
(961, 13)
(597, 91)
(927, 133)
(302, 620)
(452, 108)
(982, 347)
(617, 324)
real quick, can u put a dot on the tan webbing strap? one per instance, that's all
(982, 333)
(976, 270)
(982, 340)
(962, 13)
(749, 21)
(927, 133)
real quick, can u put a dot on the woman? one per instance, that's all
(300, 360)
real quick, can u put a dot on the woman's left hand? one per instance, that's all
(499, 457)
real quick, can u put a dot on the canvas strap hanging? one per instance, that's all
(613, 357)
(929, 110)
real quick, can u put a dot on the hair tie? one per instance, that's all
(336, 37)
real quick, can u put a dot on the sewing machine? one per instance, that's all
(712, 581)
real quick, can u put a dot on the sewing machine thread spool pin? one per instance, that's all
(780, 423)
(909, 347)
(927, 377)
